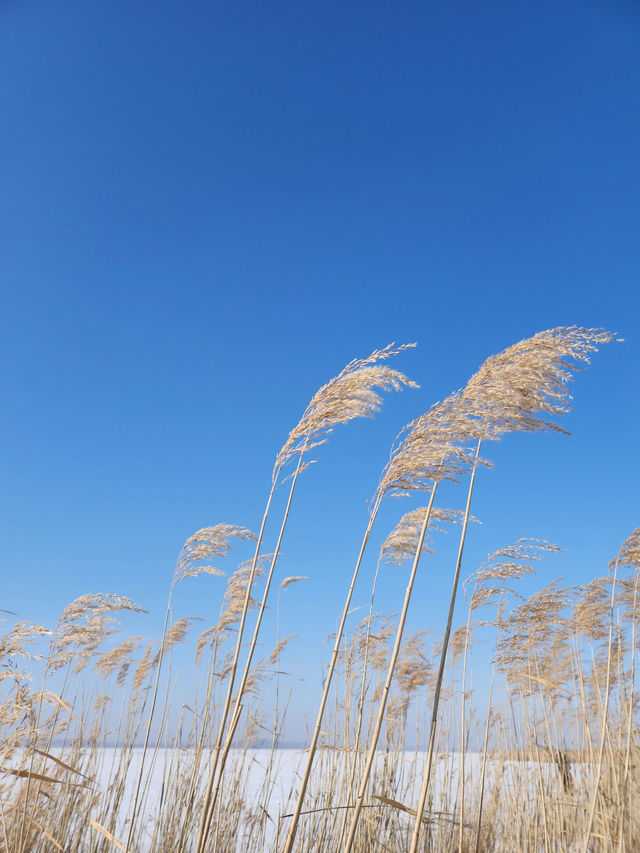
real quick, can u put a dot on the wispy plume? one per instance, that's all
(17, 641)
(84, 625)
(353, 393)
(628, 557)
(431, 448)
(523, 386)
(292, 579)
(400, 545)
(205, 545)
(118, 659)
(501, 568)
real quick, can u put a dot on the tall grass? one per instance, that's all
(415, 745)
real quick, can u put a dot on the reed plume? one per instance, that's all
(205, 545)
(400, 545)
(494, 577)
(522, 387)
(118, 659)
(353, 393)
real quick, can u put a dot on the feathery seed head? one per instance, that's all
(353, 393)
(119, 658)
(84, 625)
(413, 669)
(525, 384)
(234, 598)
(19, 637)
(278, 649)
(293, 579)
(207, 544)
(536, 626)
(628, 557)
(510, 391)
(177, 633)
(492, 579)
(402, 542)
(591, 615)
(430, 448)
(146, 665)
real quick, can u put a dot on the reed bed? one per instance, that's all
(415, 746)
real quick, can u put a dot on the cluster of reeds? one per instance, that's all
(401, 755)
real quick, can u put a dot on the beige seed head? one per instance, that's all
(431, 448)
(84, 625)
(518, 389)
(492, 580)
(353, 393)
(628, 557)
(401, 543)
(146, 665)
(591, 615)
(533, 625)
(177, 633)
(117, 657)
(207, 544)
(293, 579)
(523, 386)
(17, 640)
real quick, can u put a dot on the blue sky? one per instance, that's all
(208, 209)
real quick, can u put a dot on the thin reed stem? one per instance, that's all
(147, 734)
(204, 823)
(605, 713)
(252, 647)
(387, 684)
(463, 732)
(483, 770)
(631, 705)
(361, 703)
(291, 834)
(443, 657)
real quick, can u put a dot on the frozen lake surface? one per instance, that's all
(267, 783)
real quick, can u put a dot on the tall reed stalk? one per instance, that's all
(205, 822)
(605, 717)
(212, 796)
(387, 684)
(483, 770)
(443, 657)
(302, 789)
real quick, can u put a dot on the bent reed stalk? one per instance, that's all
(213, 796)
(302, 790)
(204, 823)
(387, 685)
(443, 658)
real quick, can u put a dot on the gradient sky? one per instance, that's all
(208, 209)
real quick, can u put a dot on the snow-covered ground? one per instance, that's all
(283, 768)
(284, 775)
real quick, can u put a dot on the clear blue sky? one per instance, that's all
(208, 209)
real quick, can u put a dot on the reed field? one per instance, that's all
(412, 747)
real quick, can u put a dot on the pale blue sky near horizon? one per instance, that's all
(209, 209)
